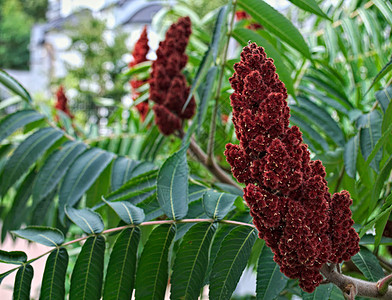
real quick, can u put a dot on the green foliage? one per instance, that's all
(270, 281)
(15, 25)
(172, 187)
(176, 222)
(99, 77)
(120, 276)
(53, 281)
(153, 268)
(87, 275)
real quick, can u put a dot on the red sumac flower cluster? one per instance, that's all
(62, 102)
(140, 55)
(285, 190)
(168, 86)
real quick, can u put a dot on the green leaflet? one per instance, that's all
(377, 218)
(17, 214)
(172, 185)
(196, 211)
(127, 212)
(86, 279)
(51, 237)
(26, 155)
(13, 257)
(315, 137)
(120, 275)
(23, 283)
(231, 261)
(100, 187)
(217, 205)
(53, 282)
(191, 261)
(88, 220)
(384, 97)
(153, 268)
(270, 281)
(122, 171)
(350, 156)
(381, 141)
(150, 207)
(17, 120)
(370, 133)
(321, 118)
(379, 183)
(384, 71)
(135, 186)
(13, 85)
(276, 23)
(310, 6)
(368, 264)
(196, 191)
(81, 176)
(55, 168)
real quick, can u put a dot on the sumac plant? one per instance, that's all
(265, 150)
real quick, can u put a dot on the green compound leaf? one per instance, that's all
(19, 119)
(350, 156)
(153, 267)
(88, 220)
(276, 23)
(191, 262)
(231, 261)
(27, 154)
(53, 282)
(13, 85)
(368, 264)
(55, 168)
(270, 281)
(22, 283)
(217, 205)
(172, 185)
(51, 237)
(86, 279)
(81, 176)
(120, 275)
(13, 257)
(127, 212)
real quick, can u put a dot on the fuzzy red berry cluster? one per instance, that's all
(243, 15)
(140, 55)
(62, 102)
(285, 190)
(168, 86)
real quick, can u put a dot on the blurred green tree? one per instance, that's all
(101, 51)
(15, 27)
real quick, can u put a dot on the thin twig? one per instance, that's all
(211, 138)
(214, 168)
(150, 223)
